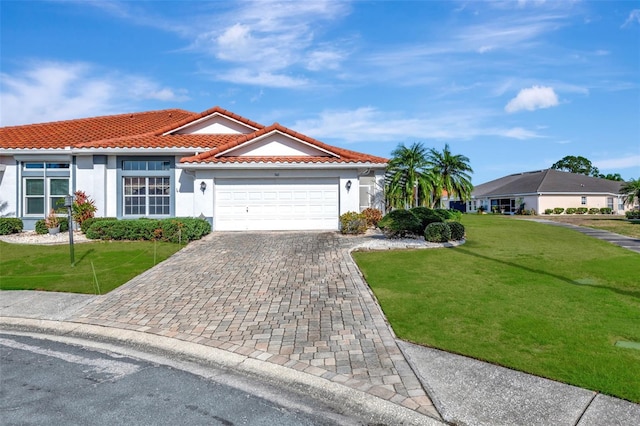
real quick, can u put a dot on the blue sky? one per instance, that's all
(513, 85)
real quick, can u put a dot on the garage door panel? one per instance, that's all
(267, 204)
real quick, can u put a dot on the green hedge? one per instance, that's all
(86, 224)
(173, 230)
(426, 216)
(41, 227)
(558, 210)
(571, 210)
(10, 225)
(400, 223)
(633, 214)
(437, 232)
(581, 210)
(606, 210)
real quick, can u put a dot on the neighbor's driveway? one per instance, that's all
(291, 298)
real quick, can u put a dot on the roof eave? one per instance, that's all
(282, 165)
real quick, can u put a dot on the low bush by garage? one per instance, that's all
(172, 230)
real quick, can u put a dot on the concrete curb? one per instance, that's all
(348, 400)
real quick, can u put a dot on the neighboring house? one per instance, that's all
(546, 189)
(236, 173)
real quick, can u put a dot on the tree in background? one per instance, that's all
(452, 174)
(630, 192)
(408, 180)
(579, 165)
(612, 176)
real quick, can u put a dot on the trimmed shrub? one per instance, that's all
(41, 225)
(353, 223)
(182, 229)
(605, 210)
(400, 223)
(437, 232)
(571, 210)
(558, 210)
(548, 211)
(581, 210)
(632, 214)
(594, 210)
(426, 216)
(372, 216)
(86, 224)
(10, 225)
(173, 230)
(457, 230)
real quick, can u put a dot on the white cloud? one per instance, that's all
(536, 97)
(265, 38)
(634, 17)
(625, 162)
(260, 78)
(367, 124)
(50, 91)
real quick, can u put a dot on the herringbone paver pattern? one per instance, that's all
(291, 298)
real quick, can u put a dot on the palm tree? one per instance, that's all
(408, 180)
(630, 192)
(452, 172)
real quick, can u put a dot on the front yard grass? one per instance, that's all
(48, 268)
(537, 298)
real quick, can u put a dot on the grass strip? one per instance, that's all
(48, 268)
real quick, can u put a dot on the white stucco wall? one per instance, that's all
(9, 185)
(111, 188)
(91, 178)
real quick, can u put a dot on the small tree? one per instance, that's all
(83, 207)
(630, 192)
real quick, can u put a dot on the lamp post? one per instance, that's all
(68, 203)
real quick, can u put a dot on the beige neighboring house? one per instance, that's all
(546, 189)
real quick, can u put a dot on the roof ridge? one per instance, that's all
(172, 127)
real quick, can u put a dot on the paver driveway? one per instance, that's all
(291, 298)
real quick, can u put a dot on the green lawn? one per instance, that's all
(39, 267)
(537, 298)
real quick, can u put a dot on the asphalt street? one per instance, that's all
(50, 382)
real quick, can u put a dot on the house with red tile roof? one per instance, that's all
(236, 173)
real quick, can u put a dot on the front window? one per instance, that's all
(44, 186)
(583, 201)
(147, 196)
(146, 187)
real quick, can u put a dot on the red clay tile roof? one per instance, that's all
(152, 130)
(61, 134)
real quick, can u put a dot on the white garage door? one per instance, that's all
(276, 204)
